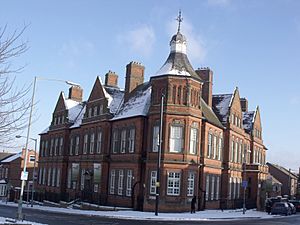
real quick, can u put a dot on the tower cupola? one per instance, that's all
(177, 62)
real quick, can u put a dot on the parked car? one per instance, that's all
(281, 208)
(296, 203)
(292, 207)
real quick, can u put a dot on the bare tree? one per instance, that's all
(14, 101)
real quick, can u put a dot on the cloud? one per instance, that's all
(139, 40)
(219, 2)
(196, 48)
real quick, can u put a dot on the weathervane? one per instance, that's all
(179, 19)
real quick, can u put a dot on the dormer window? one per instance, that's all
(232, 118)
(90, 113)
(55, 120)
(95, 111)
(101, 110)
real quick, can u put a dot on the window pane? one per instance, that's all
(176, 139)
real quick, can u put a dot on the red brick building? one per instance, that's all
(10, 173)
(105, 149)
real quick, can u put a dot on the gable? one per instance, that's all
(257, 119)
(60, 105)
(97, 91)
(235, 106)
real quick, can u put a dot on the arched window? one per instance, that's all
(184, 96)
(179, 98)
(174, 94)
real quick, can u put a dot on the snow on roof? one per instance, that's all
(115, 97)
(12, 158)
(137, 105)
(177, 64)
(248, 119)
(78, 119)
(209, 114)
(221, 105)
(74, 109)
(168, 68)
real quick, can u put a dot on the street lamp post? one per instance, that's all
(159, 155)
(34, 170)
(24, 172)
(23, 176)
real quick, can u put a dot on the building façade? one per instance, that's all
(105, 150)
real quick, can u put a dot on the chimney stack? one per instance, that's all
(206, 75)
(75, 93)
(134, 77)
(244, 104)
(111, 79)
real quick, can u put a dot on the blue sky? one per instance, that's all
(250, 44)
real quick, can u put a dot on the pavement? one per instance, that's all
(123, 213)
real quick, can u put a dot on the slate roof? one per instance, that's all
(177, 64)
(248, 120)
(221, 105)
(74, 109)
(12, 158)
(115, 97)
(138, 103)
(4, 155)
(209, 114)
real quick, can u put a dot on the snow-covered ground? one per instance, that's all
(4, 220)
(129, 214)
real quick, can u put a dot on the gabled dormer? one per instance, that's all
(59, 116)
(104, 100)
(257, 128)
(96, 103)
(68, 109)
(235, 111)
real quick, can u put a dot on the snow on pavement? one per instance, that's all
(129, 214)
(4, 220)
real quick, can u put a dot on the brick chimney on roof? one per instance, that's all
(75, 93)
(244, 104)
(111, 79)
(134, 77)
(206, 75)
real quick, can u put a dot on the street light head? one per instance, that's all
(72, 83)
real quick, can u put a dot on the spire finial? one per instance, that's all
(179, 19)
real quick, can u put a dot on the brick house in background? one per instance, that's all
(105, 149)
(288, 179)
(10, 172)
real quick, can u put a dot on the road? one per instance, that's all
(68, 219)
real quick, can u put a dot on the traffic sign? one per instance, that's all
(24, 175)
(245, 183)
